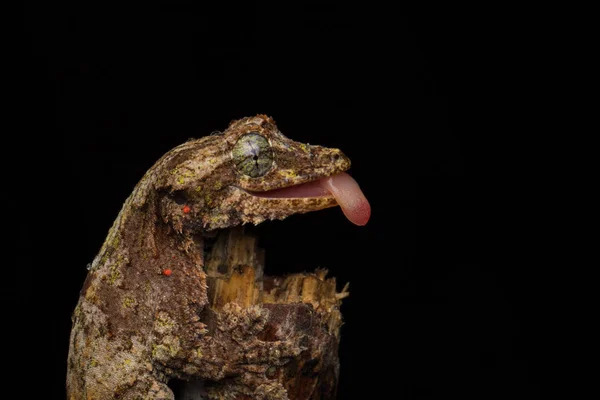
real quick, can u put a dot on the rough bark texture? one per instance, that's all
(302, 309)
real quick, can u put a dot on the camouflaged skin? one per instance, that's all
(134, 327)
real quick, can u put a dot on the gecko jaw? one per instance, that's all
(311, 189)
(339, 189)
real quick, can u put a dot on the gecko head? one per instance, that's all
(251, 173)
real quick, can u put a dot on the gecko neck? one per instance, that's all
(139, 231)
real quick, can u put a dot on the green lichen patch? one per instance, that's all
(114, 273)
(167, 350)
(115, 242)
(77, 311)
(163, 323)
(129, 302)
(182, 174)
(159, 352)
(288, 173)
(173, 344)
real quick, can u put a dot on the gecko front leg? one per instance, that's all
(233, 348)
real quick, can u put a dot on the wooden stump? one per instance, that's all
(304, 306)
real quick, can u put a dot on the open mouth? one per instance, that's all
(340, 186)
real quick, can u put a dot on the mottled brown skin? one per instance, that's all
(134, 327)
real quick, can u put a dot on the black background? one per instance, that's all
(439, 305)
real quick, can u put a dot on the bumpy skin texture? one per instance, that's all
(134, 327)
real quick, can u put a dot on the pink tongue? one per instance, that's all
(349, 196)
(341, 186)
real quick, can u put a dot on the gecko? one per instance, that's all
(139, 319)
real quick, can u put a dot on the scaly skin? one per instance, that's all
(134, 327)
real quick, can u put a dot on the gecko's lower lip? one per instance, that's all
(341, 186)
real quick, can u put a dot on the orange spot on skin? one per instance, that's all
(167, 272)
(186, 209)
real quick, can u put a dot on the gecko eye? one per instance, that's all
(252, 155)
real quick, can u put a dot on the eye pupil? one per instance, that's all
(253, 155)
